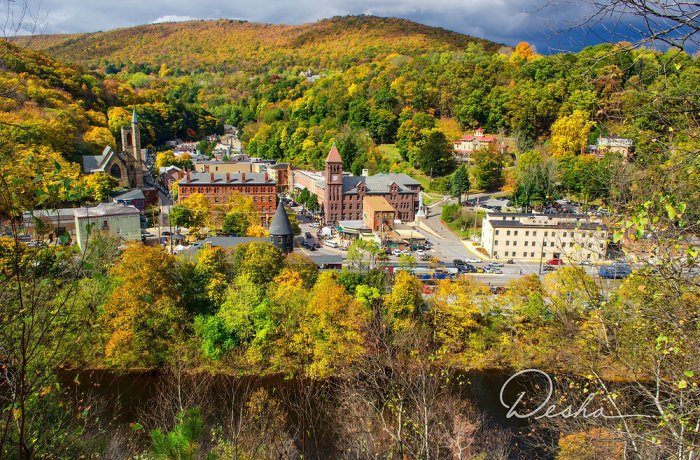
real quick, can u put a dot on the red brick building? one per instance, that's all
(218, 187)
(343, 195)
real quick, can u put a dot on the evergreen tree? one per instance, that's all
(460, 183)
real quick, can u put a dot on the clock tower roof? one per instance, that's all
(334, 155)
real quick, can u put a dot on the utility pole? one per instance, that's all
(542, 253)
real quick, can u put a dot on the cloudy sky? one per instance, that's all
(504, 21)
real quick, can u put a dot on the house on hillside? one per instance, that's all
(470, 143)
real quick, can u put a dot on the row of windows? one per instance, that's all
(551, 244)
(525, 254)
(546, 233)
(243, 189)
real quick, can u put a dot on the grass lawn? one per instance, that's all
(391, 153)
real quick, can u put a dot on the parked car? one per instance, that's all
(555, 261)
(496, 264)
(586, 263)
(458, 262)
(548, 268)
(474, 260)
(420, 252)
(497, 271)
(308, 235)
(616, 271)
(331, 244)
(315, 225)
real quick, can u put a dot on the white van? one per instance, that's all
(331, 244)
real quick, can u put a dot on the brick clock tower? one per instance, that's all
(333, 202)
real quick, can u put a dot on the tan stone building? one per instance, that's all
(573, 237)
(377, 213)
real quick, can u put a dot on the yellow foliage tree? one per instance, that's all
(454, 314)
(404, 301)
(330, 334)
(201, 210)
(570, 133)
(143, 315)
(99, 185)
(97, 138)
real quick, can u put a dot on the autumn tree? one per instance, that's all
(242, 215)
(200, 208)
(330, 334)
(143, 316)
(100, 185)
(570, 133)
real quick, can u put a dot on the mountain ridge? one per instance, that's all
(232, 45)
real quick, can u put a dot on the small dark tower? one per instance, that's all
(281, 231)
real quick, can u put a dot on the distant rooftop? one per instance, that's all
(105, 210)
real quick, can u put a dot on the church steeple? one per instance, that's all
(134, 118)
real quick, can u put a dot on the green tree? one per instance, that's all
(180, 216)
(183, 441)
(488, 169)
(435, 157)
(460, 183)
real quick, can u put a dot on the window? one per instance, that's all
(545, 233)
(551, 244)
(508, 233)
(506, 253)
(564, 235)
(527, 232)
(507, 244)
(534, 233)
(515, 242)
(496, 232)
(526, 243)
(515, 233)
(524, 254)
(495, 242)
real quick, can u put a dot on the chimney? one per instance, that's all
(365, 172)
(242, 178)
(228, 177)
(267, 177)
(188, 176)
(212, 177)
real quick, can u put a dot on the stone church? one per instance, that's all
(128, 167)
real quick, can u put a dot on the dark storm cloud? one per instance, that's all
(505, 21)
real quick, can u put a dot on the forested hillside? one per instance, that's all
(231, 45)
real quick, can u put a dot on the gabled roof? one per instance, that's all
(106, 209)
(379, 183)
(134, 194)
(280, 222)
(334, 155)
(97, 163)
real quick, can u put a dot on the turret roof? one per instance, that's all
(280, 222)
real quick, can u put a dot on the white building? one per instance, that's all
(118, 220)
(574, 237)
